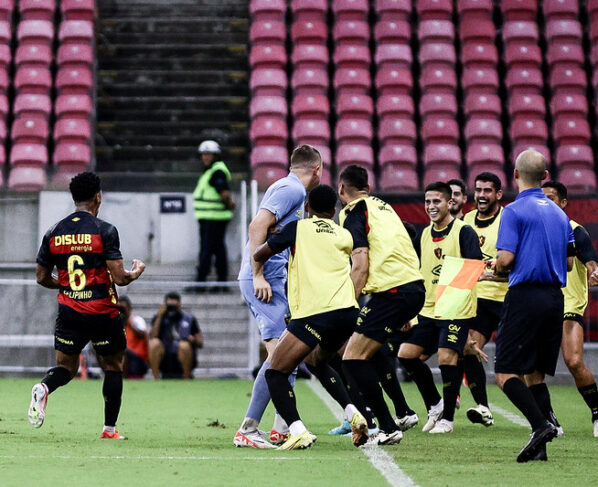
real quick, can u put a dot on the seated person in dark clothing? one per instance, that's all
(174, 338)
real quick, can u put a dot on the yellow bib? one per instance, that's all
(576, 290)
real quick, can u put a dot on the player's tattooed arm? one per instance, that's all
(45, 277)
(360, 266)
(120, 275)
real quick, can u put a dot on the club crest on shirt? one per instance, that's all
(482, 240)
(438, 253)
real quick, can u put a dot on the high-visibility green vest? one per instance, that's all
(207, 202)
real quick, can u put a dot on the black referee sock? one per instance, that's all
(332, 382)
(450, 389)
(282, 395)
(113, 392)
(476, 378)
(422, 376)
(542, 397)
(56, 377)
(385, 368)
(590, 396)
(363, 376)
(523, 399)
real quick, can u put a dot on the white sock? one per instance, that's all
(279, 424)
(248, 424)
(350, 410)
(110, 429)
(297, 428)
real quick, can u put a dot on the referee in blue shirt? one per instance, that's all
(535, 248)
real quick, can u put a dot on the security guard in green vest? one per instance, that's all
(213, 207)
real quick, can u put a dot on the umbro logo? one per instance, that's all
(437, 269)
(323, 227)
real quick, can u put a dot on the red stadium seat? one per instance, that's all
(5, 32)
(394, 81)
(5, 56)
(393, 9)
(34, 106)
(356, 132)
(309, 9)
(313, 132)
(78, 9)
(265, 175)
(73, 106)
(4, 108)
(524, 81)
(578, 179)
(531, 132)
(560, 9)
(440, 131)
(260, 56)
(480, 131)
(571, 81)
(268, 106)
(268, 131)
(29, 155)
(571, 131)
(477, 154)
(36, 80)
(350, 9)
(564, 31)
(354, 154)
(39, 32)
(397, 132)
(310, 81)
(37, 9)
(6, 8)
(438, 105)
(77, 81)
(269, 156)
(440, 154)
(474, 55)
(520, 32)
(351, 33)
(32, 54)
(4, 82)
(268, 9)
(594, 30)
(437, 56)
(75, 55)
(325, 154)
(482, 106)
(490, 167)
(268, 82)
(308, 56)
(477, 31)
(434, 9)
(352, 81)
(75, 32)
(29, 131)
(392, 32)
(440, 172)
(575, 156)
(592, 6)
(527, 107)
(393, 56)
(483, 81)
(25, 178)
(436, 31)
(72, 131)
(519, 9)
(395, 106)
(309, 32)
(398, 155)
(310, 107)
(72, 155)
(352, 57)
(523, 56)
(355, 107)
(569, 106)
(439, 80)
(566, 55)
(268, 33)
(474, 10)
(3, 132)
(398, 178)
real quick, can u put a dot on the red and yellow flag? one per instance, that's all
(455, 283)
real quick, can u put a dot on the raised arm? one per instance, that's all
(120, 275)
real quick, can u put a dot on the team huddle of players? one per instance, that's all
(371, 256)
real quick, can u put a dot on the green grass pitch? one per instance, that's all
(180, 433)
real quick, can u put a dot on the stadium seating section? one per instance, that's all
(424, 90)
(51, 46)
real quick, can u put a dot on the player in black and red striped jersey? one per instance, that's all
(86, 252)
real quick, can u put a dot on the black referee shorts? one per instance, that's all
(487, 318)
(530, 331)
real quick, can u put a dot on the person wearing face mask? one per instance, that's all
(174, 338)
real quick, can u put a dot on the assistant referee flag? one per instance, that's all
(455, 283)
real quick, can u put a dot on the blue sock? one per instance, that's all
(260, 395)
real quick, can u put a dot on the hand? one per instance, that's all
(406, 327)
(473, 345)
(487, 276)
(262, 289)
(594, 278)
(162, 310)
(138, 268)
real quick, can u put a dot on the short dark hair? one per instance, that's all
(457, 182)
(355, 176)
(561, 189)
(306, 157)
(125, 299)
(84, 186)
(441, 187)
(322, 199)
(173, 295)
(489, 177)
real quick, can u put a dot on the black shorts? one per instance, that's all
(330, 330)
(74, 330)
(391, 347)
(530, 331)
(487, 318)
(574, 317)
(386, 313)
(431, 334)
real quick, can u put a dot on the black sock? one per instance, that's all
(387, 374)
(282, 395)
(421, 374)
(55, 378)
(361, 374)
(523, 399)
(113, 391)
(542, 397)
(450, 388)
(476, 378)
(590, 396)
(460, 372)
(332, 382)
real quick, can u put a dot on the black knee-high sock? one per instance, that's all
(332, 382)
(476, 377)
(450, 388)
(421, 374)
(113, 391)
(542, 397)
(56, 377)
(590, 396)
(523, 399)
(282, 395)
(387, 374)
(362, 376)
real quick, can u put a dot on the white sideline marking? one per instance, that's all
(512, 417)
(150, 457)
(381, 460)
